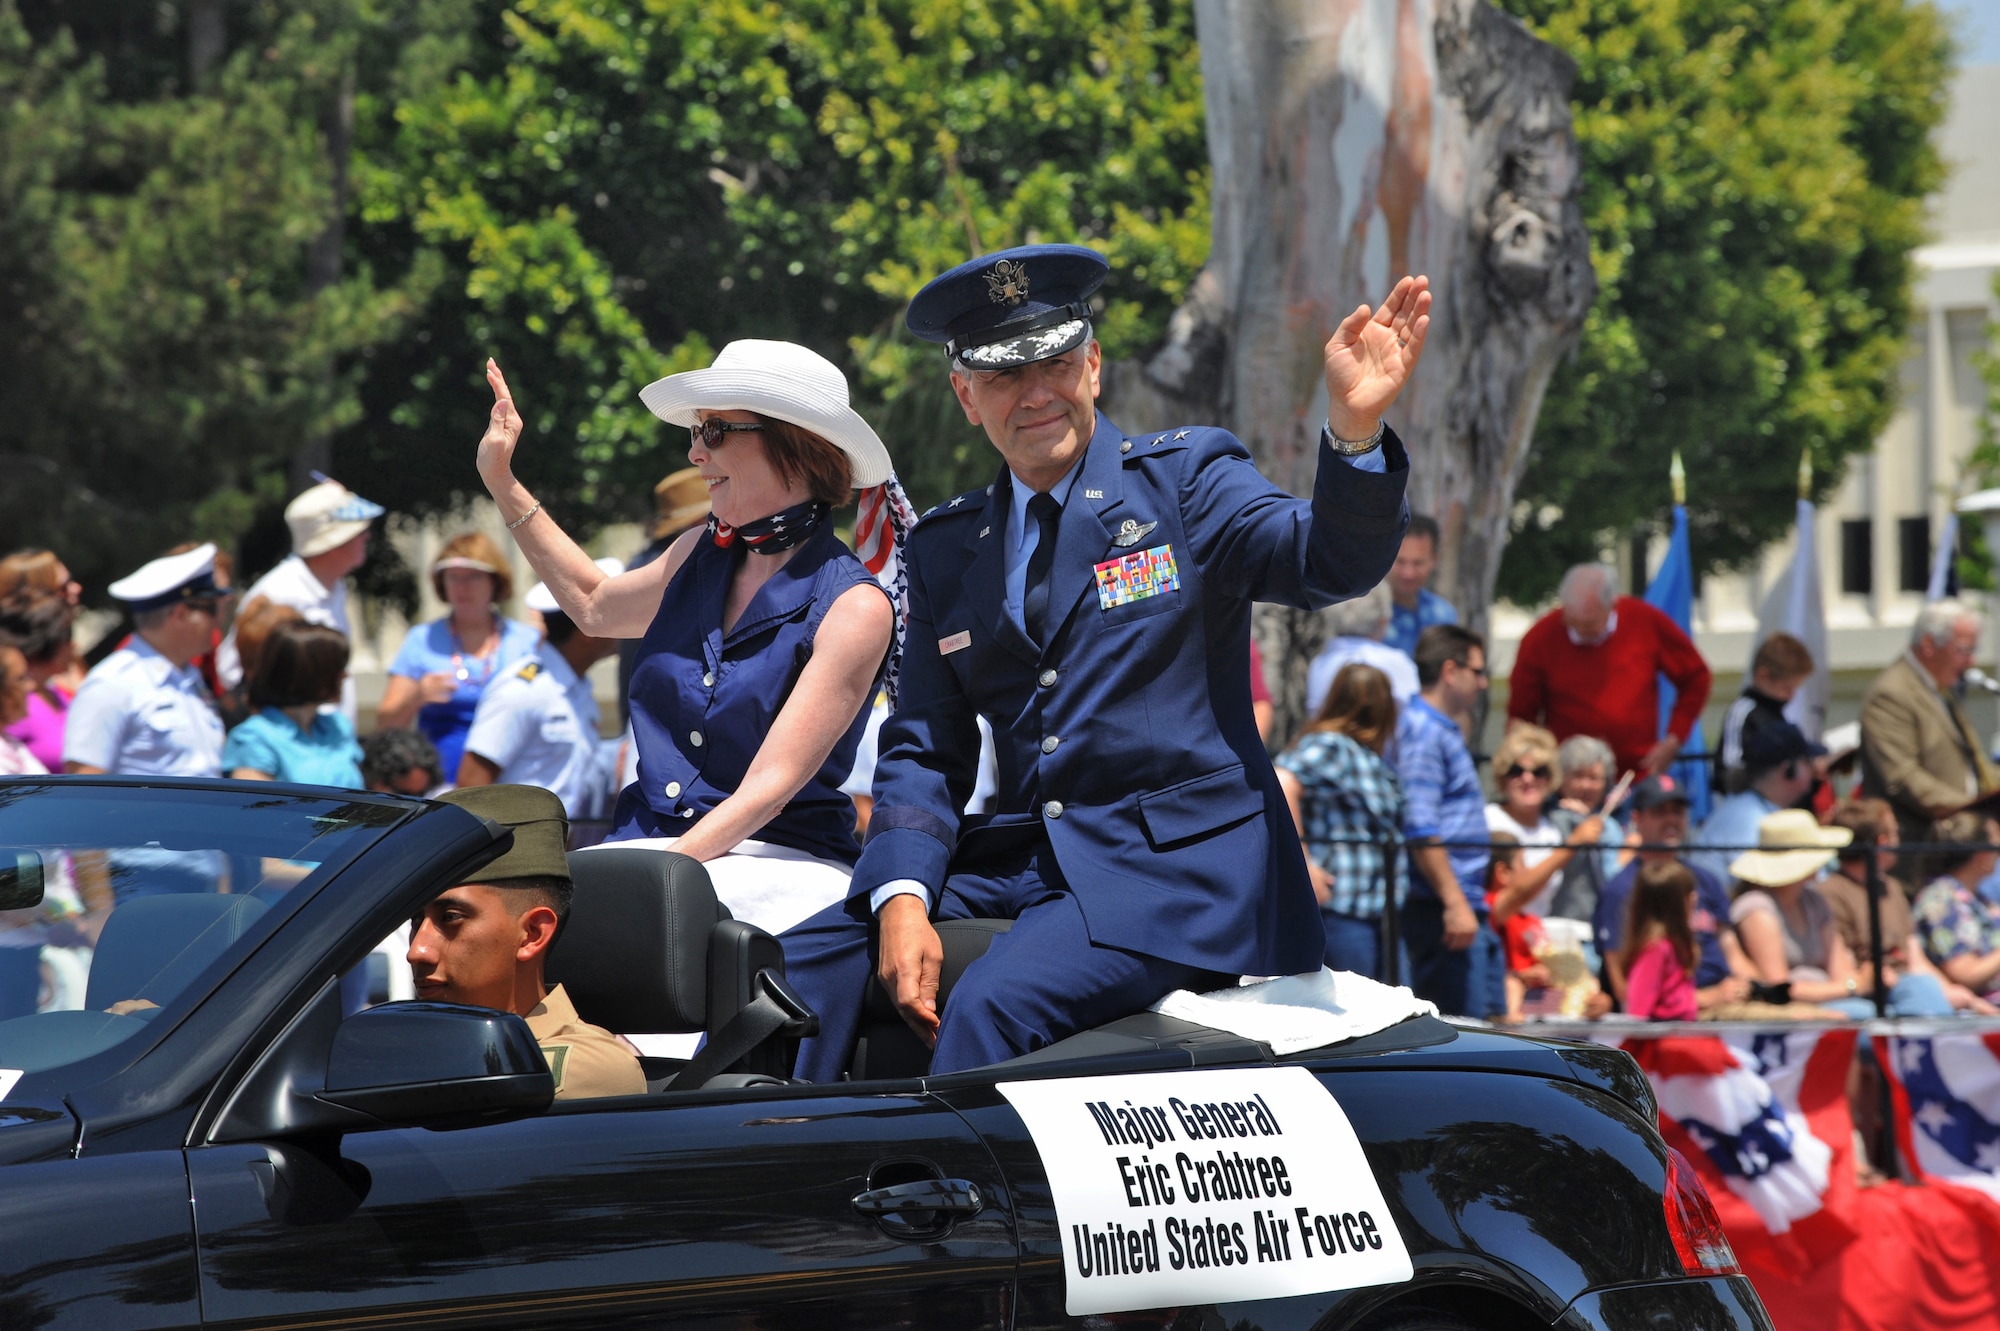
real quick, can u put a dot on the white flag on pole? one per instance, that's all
(1795, 606)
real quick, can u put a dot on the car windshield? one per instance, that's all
(146, 890)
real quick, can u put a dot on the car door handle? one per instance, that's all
(949, 1196)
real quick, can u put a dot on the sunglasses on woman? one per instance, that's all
(710, 432)
(1518, 770)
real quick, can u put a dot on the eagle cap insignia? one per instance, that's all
(1007, 284)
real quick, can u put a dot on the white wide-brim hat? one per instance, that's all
(1791, 846)
(782, 380)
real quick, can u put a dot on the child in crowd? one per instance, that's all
(1506, 893)
(1659, 955)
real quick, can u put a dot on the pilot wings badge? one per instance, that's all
(1007, 284)
(1132, 532)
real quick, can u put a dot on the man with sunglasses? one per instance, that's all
(1455, 960)
(144, 711)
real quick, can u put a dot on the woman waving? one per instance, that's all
(763, 636)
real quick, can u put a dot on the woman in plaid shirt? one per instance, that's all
(1348, 804)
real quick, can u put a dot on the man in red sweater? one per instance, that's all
(1592, 666)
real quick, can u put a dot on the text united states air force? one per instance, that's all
(1207, 1187)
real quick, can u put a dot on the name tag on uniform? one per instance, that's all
(1136, 576)
(957, 642)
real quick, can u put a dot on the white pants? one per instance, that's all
(772, 887)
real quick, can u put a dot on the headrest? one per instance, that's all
(154, 947)
(634, 955)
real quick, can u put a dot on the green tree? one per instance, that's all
(618, 189)
(1754, 176)
(165, 354)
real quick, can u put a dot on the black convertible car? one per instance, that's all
(221, 1130)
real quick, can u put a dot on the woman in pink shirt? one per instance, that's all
(1659, 956)
(39, 624)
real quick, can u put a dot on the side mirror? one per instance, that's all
(20, 879)
(436, 1065)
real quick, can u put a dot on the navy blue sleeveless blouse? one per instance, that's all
(703, 700)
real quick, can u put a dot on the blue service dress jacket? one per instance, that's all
(1129, 740)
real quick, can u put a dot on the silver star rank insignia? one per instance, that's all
(1007, 284)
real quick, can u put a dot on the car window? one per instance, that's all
(147, 891)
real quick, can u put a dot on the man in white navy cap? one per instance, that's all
(537, 724)
(330, 525)
(144, 711)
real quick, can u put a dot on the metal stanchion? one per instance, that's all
(1392, 962)
(1875, 932)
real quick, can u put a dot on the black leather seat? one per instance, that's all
(887, 1047)
(153, 947)
(648, 949)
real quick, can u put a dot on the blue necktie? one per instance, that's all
(1035, 597)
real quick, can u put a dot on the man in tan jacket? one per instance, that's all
(484, 942)
(1919, 749)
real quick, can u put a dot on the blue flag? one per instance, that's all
(1672, 591)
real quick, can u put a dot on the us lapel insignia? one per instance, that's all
(1132, 532)
(1093, 494)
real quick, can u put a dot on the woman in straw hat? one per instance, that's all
(1786, 927)
(763, 637)
(444, 666)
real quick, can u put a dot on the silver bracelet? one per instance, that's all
(531, 513)
(1349, 448)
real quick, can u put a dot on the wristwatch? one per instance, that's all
(1348, 448)
(1853, 986)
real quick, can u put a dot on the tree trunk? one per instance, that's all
(207, 39)
(324, 258)
(1353, 141)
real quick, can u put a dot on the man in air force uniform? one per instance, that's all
(144, 711)
(1093, 604)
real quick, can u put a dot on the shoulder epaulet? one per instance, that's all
(529, 671)
(972, 501)
(1152, 443)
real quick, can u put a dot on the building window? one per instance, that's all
(1857, 556)
(1913, 554)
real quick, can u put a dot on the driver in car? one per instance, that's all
(483, 942)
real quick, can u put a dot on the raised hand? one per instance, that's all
(503, 431)
(1371, 355)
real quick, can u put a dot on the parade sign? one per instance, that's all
(1208, 1186)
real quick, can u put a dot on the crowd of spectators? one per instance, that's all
(1575, 841)
(202, 680)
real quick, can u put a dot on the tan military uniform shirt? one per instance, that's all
(586, 1060)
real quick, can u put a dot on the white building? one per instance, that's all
(1876, 534)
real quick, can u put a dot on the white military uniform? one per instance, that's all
(538, 724)
(138, 714)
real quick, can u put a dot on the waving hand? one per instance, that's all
(1371, 356)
